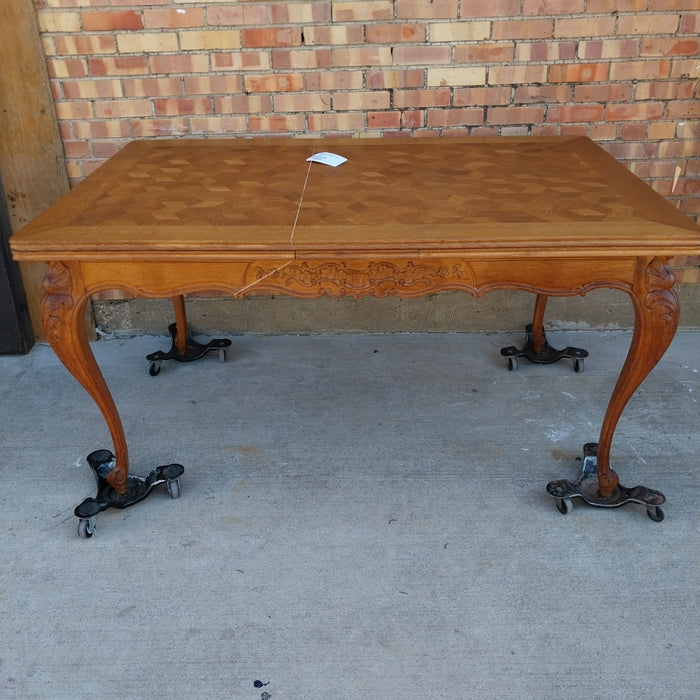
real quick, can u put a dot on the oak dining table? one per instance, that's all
(553, 216)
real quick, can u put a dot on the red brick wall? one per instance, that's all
(624, 72)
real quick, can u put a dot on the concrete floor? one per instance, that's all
(362, 516)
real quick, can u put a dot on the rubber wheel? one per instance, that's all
(655, 513)
(512, 363)
(84, 529)
(174, 488)
(564, 505)
(578, 364)
(154, 369)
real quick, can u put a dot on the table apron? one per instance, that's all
(356, 277)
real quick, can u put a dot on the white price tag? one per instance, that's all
(327, 158)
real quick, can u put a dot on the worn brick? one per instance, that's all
(314, 11)
(639, 70)
(602, 132)
(243, 104)
(147, 42)
(578, 72)
(545, 51)
(180, 63)
(394, 33)
(278, 82)
(102, 129)
(91, 89)
(454, 32)
(553, 7)
(213, 84)
(456, 76)
(517, 75)
(369, 10)
(66, 67)
(172, 107)
(119, 65)
(670, 47)
(485, 53)
(271, 36)
(421, 55)
(361, 100)
(219, 125)
(295, 59)
(610, 6)
(347, 122)
(209, 40)
(679, 109)
(514, 115)
(412, 119)
(236, 60)
(104, 149)
(437, 97)
(477, 96)
(530, 94)
(151, 87)
(76, 149)
(302, 102)
(117, 109)
(333, 35)
(466, 116)
(661, 130)
(608, 48)
(426, 9)
(492, 8)
(368, 56)
(383, 120)
(85, 44)
(335, 80)
(111, 21)
(53, 22)
(647, 23)
(689, 24)
(632, 131)
(645, 111)
(174, 19)
(586, 27)
(510, 29)
(606, 92)
(575, 113)
(145, 128)
(237, 15)
(408, 78)
(277, 123)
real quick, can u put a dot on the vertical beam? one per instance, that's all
(32, 164)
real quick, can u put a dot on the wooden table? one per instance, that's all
(554, 216)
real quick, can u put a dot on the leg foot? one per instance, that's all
(545, 355)
(586, 487)
(137, 488)
(192, 350)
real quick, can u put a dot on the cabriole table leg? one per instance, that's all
(656, 310)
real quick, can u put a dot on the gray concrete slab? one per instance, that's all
(362, 516)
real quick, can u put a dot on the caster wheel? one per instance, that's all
(564, 505)
(655, 513)
(578, 364)
(85, 528)
(154, 369)
(222, 355)
(512, 363)
(174, 488)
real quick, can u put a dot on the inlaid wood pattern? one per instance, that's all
(226, 199)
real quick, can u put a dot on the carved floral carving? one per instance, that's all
(374, 278)
(661, 299)
(58, 299)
